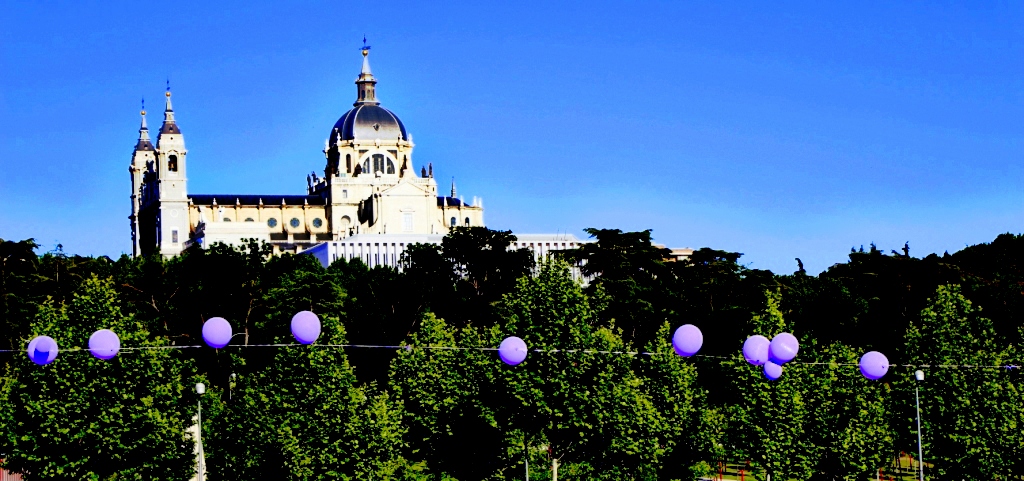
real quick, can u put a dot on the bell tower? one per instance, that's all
(143, 156)
(167, 194)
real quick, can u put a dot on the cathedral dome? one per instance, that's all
(369, 122)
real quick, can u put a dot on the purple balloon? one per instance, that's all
(42, 350)
(772, 371)
(512, 350)
(874, 365)
(305, 327)
(783, 348)
(687, 340)
(217, 332)
(755, 350)
(104, 344)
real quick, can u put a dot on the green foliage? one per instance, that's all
(302, 416)
(629, 269)
(459, 413)
(972, 417)
(83, 418)
(462, 279)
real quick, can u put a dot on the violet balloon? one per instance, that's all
(104, 344)
(874, 365)
(783, 348)
(217, 332)
(512, 350)
(306, 327)
(42, 350)
(687, 340)
(755, 350)
(772, 371)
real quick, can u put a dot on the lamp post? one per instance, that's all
(200, 390)
(919, 375)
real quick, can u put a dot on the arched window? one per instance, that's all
(453, 222)
(467, 221)
(366, 166)
(391, 166)
(172, 163)
(378, 163)
(348, 163)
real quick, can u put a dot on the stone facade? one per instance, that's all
(370, 186)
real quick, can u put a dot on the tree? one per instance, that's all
(18, 274)
(467, 275)
(970, 414)
(629, 269)
(694, 430)
(302, 416)
(73, 417)
(588, 410)
(848, 424)
(769, 419)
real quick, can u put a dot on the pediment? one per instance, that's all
(405, 188)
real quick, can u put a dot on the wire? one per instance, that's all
(543, 351)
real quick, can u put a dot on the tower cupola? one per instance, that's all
(169, 126)
(366, 84)
(144, 143)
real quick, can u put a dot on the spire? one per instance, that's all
(453, 187)
(366, 83)
(144, 142)
(168, 110)
(366, 64)
(169, 126)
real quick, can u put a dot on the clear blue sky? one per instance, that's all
(779, 131)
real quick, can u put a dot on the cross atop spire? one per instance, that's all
(365, 84)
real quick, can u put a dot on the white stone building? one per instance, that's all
(370, 186)
(371, 202)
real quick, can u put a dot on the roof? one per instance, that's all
(248, 199)
(369, 122)
(451, 202)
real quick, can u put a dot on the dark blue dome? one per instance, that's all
(369, 122)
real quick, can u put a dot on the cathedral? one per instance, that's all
(371, 202)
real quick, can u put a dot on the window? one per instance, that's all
(344, 194)
(272, 222)
(378, 163)
(391, 167)
(174, 236)
(407, 222)
(453, 222)
(348, 162)
(226, 219)
(249, 219)
(467, 221)
(294, 222)
(172, 163)
(318, 222)
(366, 166)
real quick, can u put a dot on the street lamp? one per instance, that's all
(200, 390)
(917, 398)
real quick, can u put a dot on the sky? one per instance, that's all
(778, 131)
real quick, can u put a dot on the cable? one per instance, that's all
(543, 351)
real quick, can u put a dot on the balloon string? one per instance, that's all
(543, 351)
